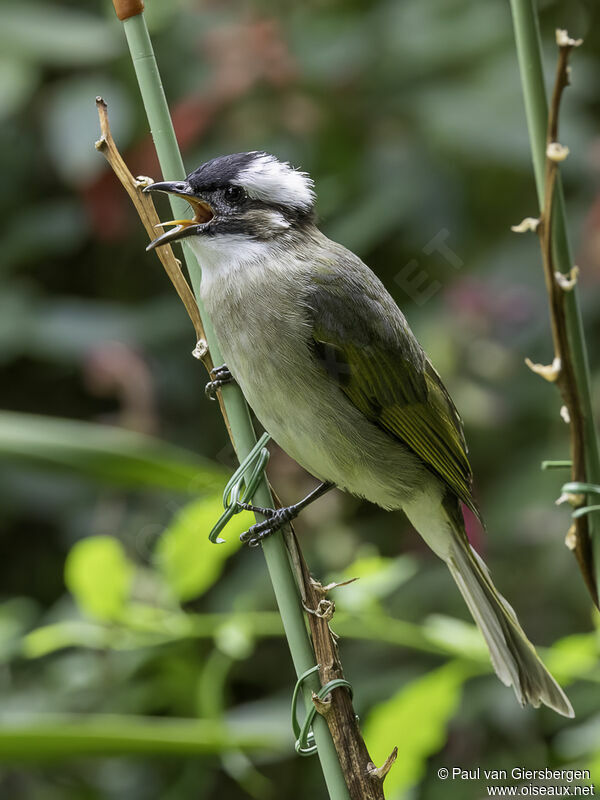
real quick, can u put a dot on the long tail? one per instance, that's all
(513, 656)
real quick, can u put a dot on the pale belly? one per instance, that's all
(308, 415)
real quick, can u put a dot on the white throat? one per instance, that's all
(225, 256)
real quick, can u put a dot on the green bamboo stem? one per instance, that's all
(278, 565)
(66, 736)
(527, 37)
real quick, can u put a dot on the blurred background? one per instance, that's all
(136, 659)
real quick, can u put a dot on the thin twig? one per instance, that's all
(144, 205)
(150, 219)
(563, 371)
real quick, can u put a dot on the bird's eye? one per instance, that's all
(234, 193)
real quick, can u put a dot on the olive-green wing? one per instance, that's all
(367, 347)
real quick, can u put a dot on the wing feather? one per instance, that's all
(370, 351)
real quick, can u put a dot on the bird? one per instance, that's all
(329, 365)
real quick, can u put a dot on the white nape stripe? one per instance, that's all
(266, 178)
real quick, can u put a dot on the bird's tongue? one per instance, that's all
(202, 213)
(183, 223)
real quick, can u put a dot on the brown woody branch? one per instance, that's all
(562, 370)
(144, 205)
(363, 778)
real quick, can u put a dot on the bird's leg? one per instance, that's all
(220, 376)
(276, 518)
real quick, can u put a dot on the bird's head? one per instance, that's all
(249, 194)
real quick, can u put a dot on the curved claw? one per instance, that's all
(210, 390)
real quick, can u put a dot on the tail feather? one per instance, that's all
(513, 656)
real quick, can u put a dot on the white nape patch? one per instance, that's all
(275, 181)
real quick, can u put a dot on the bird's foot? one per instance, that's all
(220, 376)
(276, 518)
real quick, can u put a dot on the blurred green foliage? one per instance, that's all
(424, 707)
(125, 635)
(98, 575)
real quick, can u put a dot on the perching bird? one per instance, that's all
(329, 365)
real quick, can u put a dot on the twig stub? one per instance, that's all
(380, 773)
(526, 225)
(564, 40)
(549, 372)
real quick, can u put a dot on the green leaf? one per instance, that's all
(456, 636)
(104, 453)
(415, 719)
(99, 575)
(189, 562)
(139, 626)
(572, 656)
(235, 638)
(377, 577)
(67, 633)
(143, 626)
(594, 767)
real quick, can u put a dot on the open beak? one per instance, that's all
(203, 213)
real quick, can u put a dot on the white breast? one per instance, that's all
(263, 334)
